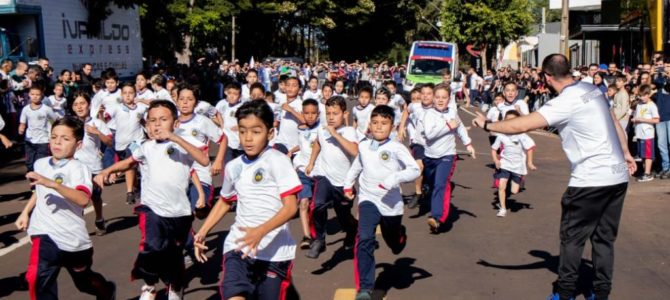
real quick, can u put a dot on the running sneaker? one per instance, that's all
(349, 241)
(148, 292)
(502, 213)
(130, 198)
(364, 295)
(556, 296)
(175, 295)
(187, 260)
(434, 225)
(316, 248)
(414, 201)
(645, 178)
(304, 244)
(112, 288)
(665, 174)
(403, 241)
(100, 227)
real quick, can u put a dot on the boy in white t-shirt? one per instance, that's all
(258, 252)
(396, 101)
(509, 156)
(57, 101)
(414, 114)
(35, 121)
(110, 96)
(144, 94)
(128, 117)
(383, 164)
(332, 153)
(291, 117)
(646, 115)
(56, 226)
(165, 214)
(312, 91)
(251, 78)
(362, 112)
(303, 152)
(228, 107)
(96, 134)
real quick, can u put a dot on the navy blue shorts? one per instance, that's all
(646, 149)
(281, 148)
(418, 151)
(123, 154)
(307, 186)
(254, 279)
(514, 177)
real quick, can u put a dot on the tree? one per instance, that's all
(485, 23)
(551, 15)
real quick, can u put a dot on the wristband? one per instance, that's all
(486, 126)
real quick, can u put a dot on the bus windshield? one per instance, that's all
(429, 67)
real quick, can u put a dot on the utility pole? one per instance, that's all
(565, 34)
(232, 44)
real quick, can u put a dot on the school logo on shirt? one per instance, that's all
(194, 132)
(59, 178)
(232, 113)
(41, 117)
(139, 116)
(384, 155)
(169, 150)
(259, 175)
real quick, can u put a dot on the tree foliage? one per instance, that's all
(485, 23)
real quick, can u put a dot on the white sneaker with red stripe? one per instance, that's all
(148, 292)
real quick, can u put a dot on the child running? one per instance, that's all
(165, 214)
(511, 162)
(56, 226)
(57, 101)
(258, 251)
(308, 133)
(383, 164)
(128, 117)
(96, 134)
(439, 127)
(332, 153)
(362, 112)
(35, 122)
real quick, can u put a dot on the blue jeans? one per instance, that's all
(663, 134)
(108, 154)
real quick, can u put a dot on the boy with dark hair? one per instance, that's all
(56, 226)
(34, 123)
(165, 214)
(332, 154)
(383, 164)
(228, 107)
(258, 252)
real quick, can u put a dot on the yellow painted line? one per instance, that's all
(344, 294)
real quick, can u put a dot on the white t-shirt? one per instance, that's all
(280, 97)
(246, 92)
(38, 123)
(645, 131)
(288, 128)
(513, 153)
(110, 101)
(57, 105)
(199, 131)
(166, 174)
(397, 102)
(309, 94)
(2, 123)
(333, 162)
(163, 94)
(589, 138)
(128, 126)
(258, 186)
(362, 118)
(382, 168)
(203, 108)
(415, 116)
(307, 137)
(228, 111)
(59, 218)
(147, 94)
(439, 137)
(89, 153)
(505, 107)
(96, 101)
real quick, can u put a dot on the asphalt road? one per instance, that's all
(479, 256)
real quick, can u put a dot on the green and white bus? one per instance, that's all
(428, 60)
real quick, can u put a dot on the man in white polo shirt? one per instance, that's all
(597, 149)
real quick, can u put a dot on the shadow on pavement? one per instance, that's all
(512, 205)
(20, 196)
(399, 275)
(8, 238)
(9, 218)
(13, 284)
(550, 262)
(9, 178)
(340, 255)
(121, 223)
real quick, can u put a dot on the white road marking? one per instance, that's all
(26, 239)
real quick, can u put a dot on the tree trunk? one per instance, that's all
(484, 59)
